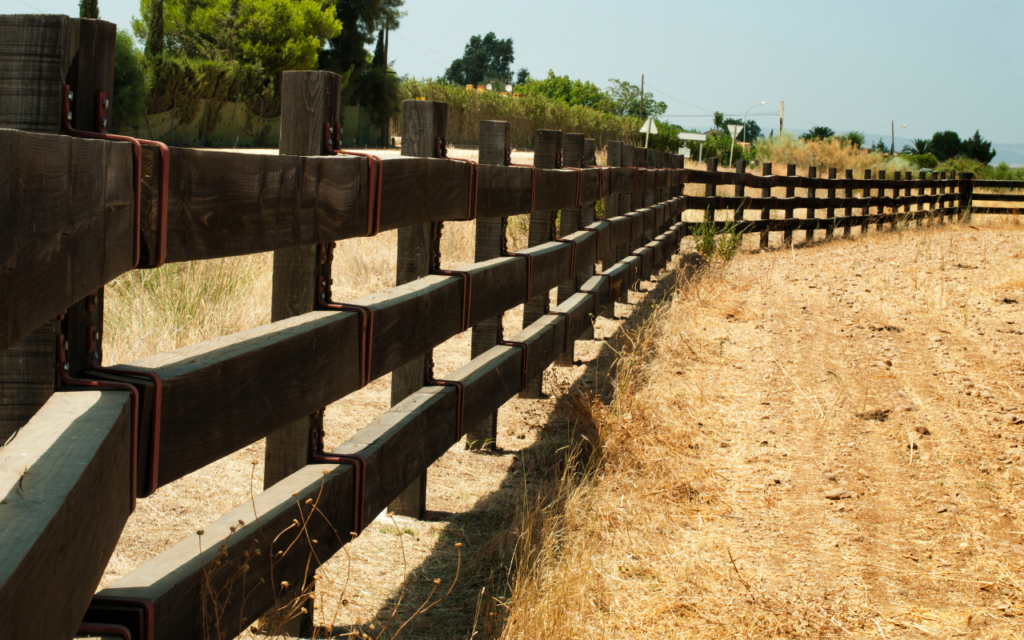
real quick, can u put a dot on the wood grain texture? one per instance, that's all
(423, 123)
(766, 192)
(309, 99)
(572, 156)
(495, 137)
(547, 144)
(787, 235)
(65, 487)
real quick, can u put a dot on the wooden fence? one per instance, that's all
(79, 212)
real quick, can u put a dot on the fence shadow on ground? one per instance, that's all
(485, 530)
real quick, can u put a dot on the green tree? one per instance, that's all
(880, 146)
(278, 35)
(522, 76)
(819, 133)
(574, 92)
(854, 138)
(128, 106)
(918, 147)
(625, 100)
(89, 9)
(944, 145)
(362, 20)
(486, 58)
(977, 148)
(152, 30)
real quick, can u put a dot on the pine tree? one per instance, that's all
(155, 37)
(89, 9)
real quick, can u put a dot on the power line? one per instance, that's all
(417, 47)
(30, 6)
(675, 98)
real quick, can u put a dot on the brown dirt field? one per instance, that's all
(826, 443)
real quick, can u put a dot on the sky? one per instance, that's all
(932, 65)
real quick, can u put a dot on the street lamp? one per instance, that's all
(892, 149)
(745, 121)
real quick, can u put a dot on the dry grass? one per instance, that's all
(759, 390)
(788, 149)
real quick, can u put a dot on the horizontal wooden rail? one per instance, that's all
(809, 224)
(998, 184)
(66, 210)
(397, 447)
(244, 386)
(757, 204)
(999, 197)
(224, 203)
(66, 497)
(999, 210)
(800, 182)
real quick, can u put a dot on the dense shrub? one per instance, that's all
(924, 160)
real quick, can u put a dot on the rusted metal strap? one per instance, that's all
(568, 321)
(365, 319)
(474, 176)
(572, 258)
(467, 278)
(522, 345)
(317, 453)
(508, 254)
(375, 169)
(66, 379)
(594, 293)
(165, 165)
(579, 177)
(99, 622)
(533, 177)
(158, 386)
(460, 389)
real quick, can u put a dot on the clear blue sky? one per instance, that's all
(851, 66)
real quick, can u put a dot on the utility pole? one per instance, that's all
(782, 109)
(641, 96)
(892, 148)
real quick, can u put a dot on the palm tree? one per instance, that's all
(918, 148)
(819, 133)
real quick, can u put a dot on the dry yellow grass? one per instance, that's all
(886, 369)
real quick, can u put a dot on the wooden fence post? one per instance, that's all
(881, 194)
(572, 156)
(766, 212)
(626, 205)
(787, 235)
(587, 215)
(921, 215)
(830, 212)
(741, 191)
(942, 192)
(710, 191)
(423, 122)
(309, 99)
(495, 137)
(966, 195)
(547, 144)
(42, 53)
(866, 209)
(812, 174)
(611, 209)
